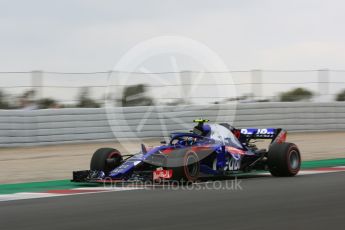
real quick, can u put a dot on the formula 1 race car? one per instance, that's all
(209, 150)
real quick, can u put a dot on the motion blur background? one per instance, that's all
(42, 90)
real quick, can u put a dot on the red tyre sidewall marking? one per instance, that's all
(115, 153)
(185, 166)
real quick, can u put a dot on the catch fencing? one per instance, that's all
(171, 87)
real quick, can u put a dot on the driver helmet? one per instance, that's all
(202, 130)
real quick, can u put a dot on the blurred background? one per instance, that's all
(44, 90)
(62, 54)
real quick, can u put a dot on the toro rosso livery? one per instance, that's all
(209, 150)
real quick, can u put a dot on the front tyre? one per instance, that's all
(185, 166)
(284, 159)
(105, 159)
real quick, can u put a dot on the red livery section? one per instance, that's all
(201, 148)
(162, 174)
(234, 150)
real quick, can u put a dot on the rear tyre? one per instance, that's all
(185, 166)
(105, 159)
(284, 159)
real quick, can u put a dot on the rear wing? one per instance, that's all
(275, 134)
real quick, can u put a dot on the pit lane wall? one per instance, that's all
(56, 126)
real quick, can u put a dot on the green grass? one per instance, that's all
(40, 186)
(323, 163)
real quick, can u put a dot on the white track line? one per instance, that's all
(340, 167)
(311, 172)
(25, 196)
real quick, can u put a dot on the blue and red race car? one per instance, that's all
(209, 150)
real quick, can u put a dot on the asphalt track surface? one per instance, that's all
(303, 202)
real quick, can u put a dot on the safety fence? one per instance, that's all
(166, 88)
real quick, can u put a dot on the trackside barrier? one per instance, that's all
(56, 126)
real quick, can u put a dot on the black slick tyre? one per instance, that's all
(284, 159)
(105, 159)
